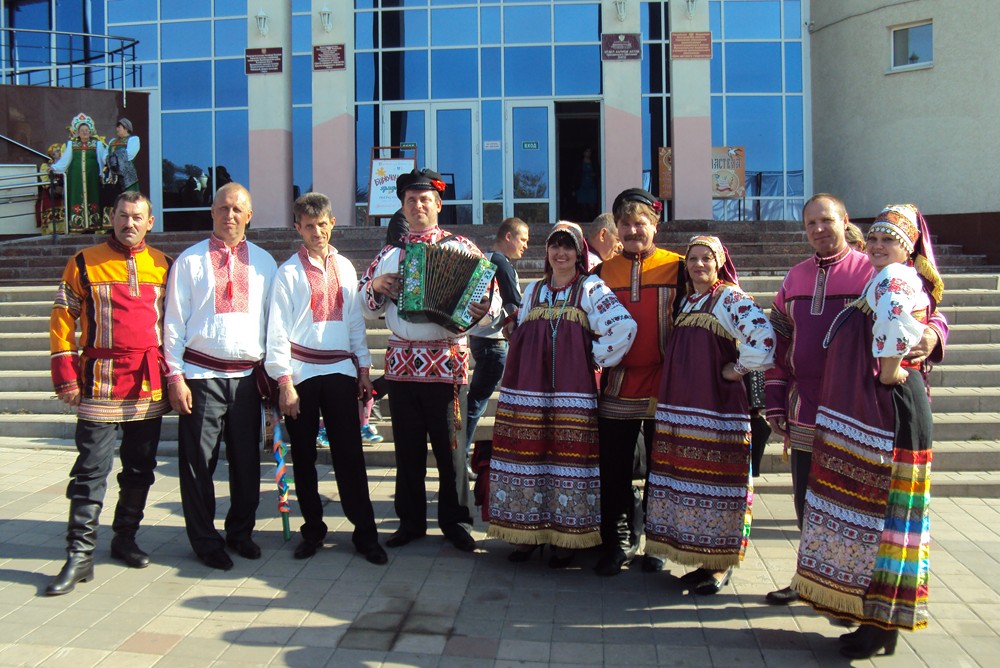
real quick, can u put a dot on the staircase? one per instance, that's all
(965, 388)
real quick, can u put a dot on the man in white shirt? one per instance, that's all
(602, 240)
(318, 353)
(214, 324)
(426, 365)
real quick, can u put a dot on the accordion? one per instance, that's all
(439, 283)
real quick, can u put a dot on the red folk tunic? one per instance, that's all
(116, 294)
(647, 287)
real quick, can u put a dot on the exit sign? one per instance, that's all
(529, 145)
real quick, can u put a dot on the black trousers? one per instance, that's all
(421, 411)
(224, 409)
(619, 502)
(335, 396)
(801, 462)
(95, 445)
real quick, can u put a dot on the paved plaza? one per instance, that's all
(432, 605)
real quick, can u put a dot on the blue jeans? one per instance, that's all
(490, 356)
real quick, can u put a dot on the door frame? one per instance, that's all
(508, 131)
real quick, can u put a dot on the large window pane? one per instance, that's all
(404, 75)
(302, 33)
(230, 37)
(364, 30)
(718, 126)
(189, 39)
(133, 10)
(302, 79)
(530, 155)
(753, 67)
(912, 46)
(230, 83)
(753, 19)
(492, 129)
(527, 71)
(793, 67)
(187, 154)
(577, 23)
(187, 85)
(365, 84)
(578, 70)
(716, 67)
(793, 19)
(186, 9)
(755, 122)
(454, 73)
(365, 136)
(401, 29)
(232, 155)
(225, 7)
(491, 73)
(454, 149)
(527, 25)
(489, 22)
(453, 27)
(794, 156)
(302, 155)
(148, 38)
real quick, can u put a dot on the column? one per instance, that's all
(622, 108)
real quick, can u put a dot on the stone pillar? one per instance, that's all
(623, 147)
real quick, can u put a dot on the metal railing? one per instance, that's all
(70, 59)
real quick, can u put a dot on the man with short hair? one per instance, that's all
(487, 344)
(811, 295)
(215, 321)
(602, 240)
(112, 375)
(649, 282)
(426, 365)
(317, 351)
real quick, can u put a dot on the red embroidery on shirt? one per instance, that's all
(327, 299)
(231, 268)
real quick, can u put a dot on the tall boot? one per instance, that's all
(81, 538)
(128, 515)
(619, 552)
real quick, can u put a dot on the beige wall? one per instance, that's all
(926, 136)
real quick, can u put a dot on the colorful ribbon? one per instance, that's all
(278, 448)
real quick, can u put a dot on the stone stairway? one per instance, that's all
(966, 388)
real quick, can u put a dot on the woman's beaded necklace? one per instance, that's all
(554, 322)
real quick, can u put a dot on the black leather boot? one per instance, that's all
(128, 515)
(620, 552)
(81, 537)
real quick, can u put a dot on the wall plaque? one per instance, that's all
(263, 61)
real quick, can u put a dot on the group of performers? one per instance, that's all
(84, 176)
(648, 341)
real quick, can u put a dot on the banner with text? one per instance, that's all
(728, 172)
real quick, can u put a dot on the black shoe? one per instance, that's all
(246, 548)
(712, 584)
(652, 564)
(612, 562)
(460, 538)
(870, 640)
(851, 637)
(307, 548)
(124, 549)
(401, 537)
(782, 596)
(217, 559)
(523, 552)
(561, 558)
(694, 577)
(79, 567)
(374, 554)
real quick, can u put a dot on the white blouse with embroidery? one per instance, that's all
(742, 319)
(610, 322)
(894, 295)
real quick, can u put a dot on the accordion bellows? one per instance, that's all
(439, 283)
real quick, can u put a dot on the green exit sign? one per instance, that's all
(529, 145)
(408, 144)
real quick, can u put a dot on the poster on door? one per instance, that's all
(382, 200)
(728, 172)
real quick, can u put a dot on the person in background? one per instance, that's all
(81, 163)
(119, 169)
(602, 240)
(854, 238)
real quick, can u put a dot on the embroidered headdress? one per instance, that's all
(724, 264)
(82, 119)
(905, 223)
(575, 234)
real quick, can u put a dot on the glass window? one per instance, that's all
(229, 7)
(188, 39)
(364, 140)
(302, 33)
(489, 25)
(793, 19)
(718, 136)
(232, 155)
(301, 5)
(912, 46)
(147, 48)
(454, 73)
(716, 67)
(755, 122)
(650, 21)
(302, 79)
(187, 154)
(492, 129)
(530, 156)
(230, 37)
(365, 85)
(404, 75)
(527, 71)
(793, 67)
(490, 72)
(364, 30)
(793, 157)
(454, 149)
(302, 174)
(401, 29)
(652, 68)
(753, 19)
(753, 67)
(187, 9)
(186, 85)
(454, 27)
(578, 70)
(577, 23)
(230, 83)
(527, 25)
(121, 11)
(715, 18)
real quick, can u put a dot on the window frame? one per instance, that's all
(909, 67)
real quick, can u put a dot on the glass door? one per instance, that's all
(530, 161)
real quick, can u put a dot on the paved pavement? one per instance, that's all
(432, 605)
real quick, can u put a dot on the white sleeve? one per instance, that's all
(609, 320)
(62, 164)
(894, 294)
(354, 315)
(132, 147)
(177, 311)
(746, 322)
(280, 318)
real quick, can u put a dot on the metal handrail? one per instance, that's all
(88, 60)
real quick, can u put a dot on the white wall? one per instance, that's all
(927, 136)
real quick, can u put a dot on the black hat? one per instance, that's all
(636, 195)
(425, 179)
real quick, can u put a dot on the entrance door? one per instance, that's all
(444, 135)
(530, 161)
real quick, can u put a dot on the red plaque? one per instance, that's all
(691, 46)
(329, 57)
(621, 46)
(263, 61)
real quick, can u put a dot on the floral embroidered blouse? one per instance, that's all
(900, 305)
